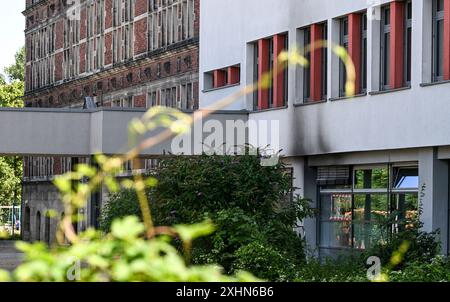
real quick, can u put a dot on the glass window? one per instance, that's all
(370, 219)
(408, 42)
(336, 220)
(324, 63)
(343, 40)
(364, 53)
(371, 178)
(438, 40)
(385, 47)
(382, 200)
(405, 178)
(306, 69)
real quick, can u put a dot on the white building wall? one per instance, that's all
(397, 126)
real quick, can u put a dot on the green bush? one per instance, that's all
(423, 247)
(265, 261)
(122, 255)
(437, 270)
(247, 203)
(119, 205)
(345, 269)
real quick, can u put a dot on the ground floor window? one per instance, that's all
(362, 206)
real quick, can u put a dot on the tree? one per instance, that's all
(11, 96)
(16, 71)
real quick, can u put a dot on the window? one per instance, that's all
(365, 208)
(343, 41)
(222, 77)
(364, 53)
(307, 70)
(408, 42)
(265, 59)
(438, 40)
(315, 89)
(385, 47)
(170, 22)
(324, 63)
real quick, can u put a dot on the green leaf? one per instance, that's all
(128, 228)
(191, 232)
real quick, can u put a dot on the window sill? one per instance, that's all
(389, 90)
(434, 83)
(342, 98)
(220, 88)
(309, 103)
(269, 109)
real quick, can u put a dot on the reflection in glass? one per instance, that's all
(406, 210)
(406, 178)
(370, 219)
(372, 178)
(336, 220)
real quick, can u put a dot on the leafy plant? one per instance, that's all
(122, 255)
(119, 205)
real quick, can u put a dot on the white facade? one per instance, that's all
(401, 127)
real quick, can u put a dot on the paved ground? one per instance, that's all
(10, 258)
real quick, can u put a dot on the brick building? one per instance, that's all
(121, 53)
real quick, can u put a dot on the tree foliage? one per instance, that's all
(11, 96)
(16, 71)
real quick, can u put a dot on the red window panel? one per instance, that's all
(354, 46)
(263, 69)
(220, 78)
(397, 44)
(447, 40)
(316, 62)
(234, 75)
(279, 42)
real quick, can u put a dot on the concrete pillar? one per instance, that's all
(433, 194)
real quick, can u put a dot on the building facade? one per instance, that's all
(118, 53)
(382, 154)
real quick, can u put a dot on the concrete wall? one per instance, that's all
(34, 131)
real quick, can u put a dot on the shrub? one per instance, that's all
(122, 255)
(119, 205)
(247, 202)
(437, 270)
(265, 261)
(423, 247)
(344, 269)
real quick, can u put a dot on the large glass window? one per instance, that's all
(438, 40)
(373, 203)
